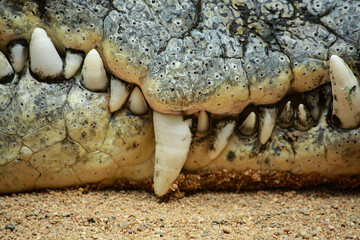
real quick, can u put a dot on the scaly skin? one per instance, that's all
(224, 57)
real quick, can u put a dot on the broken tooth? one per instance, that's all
(286, 117)
(18, 51)
(137, 104)
(267, 120)
(346, 95)
(73, 60)
(6, 71)
(93, 72)
(172, 143)
(203, 123)
(303, 120)
(249, 126)
(119, 92)
(45, 61)
(220, 136)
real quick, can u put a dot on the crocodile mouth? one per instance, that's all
(94, 99)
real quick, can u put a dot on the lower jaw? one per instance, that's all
(77, 141)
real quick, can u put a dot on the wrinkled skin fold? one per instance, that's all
(226, 59)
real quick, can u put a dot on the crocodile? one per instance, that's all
(179, 95)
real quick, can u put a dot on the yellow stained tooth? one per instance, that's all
(286, 117)
(73, 62)
(203, 123)
(222, 133)
(266, 122)
(93, 72)
(119, 92)
(249, 126)
(18, 55)
(301, 112)
(303, 120)
(172, 138)
(45, 61)
(346, 94)
(137, 104)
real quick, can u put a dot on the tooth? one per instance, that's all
(303, 120)
(286, 117)
(203, 123)
(93, 72)
(220, 136)
(73, 60)
(346, 95)
(267, 120)
(172, 143)
(119, 92)
(45, 61)
(137, 104)
(249, 126)
(18, 50)
(6, 71)
(313, 102)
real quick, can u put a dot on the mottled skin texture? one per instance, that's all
(225, 57)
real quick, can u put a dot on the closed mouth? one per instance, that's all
(104, 108)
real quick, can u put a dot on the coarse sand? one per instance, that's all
(81, 213)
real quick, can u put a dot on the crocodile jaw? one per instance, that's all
(79, 131)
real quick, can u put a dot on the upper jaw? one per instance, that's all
(189, 64)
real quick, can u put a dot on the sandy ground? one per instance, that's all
(111, 214)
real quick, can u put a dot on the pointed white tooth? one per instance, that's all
(137, 104)
(249, 126)
(73, 60)
(93, 72)
(267, 122)
(119, 92)
(6, 71)
(203, 123)
(172, 143)
(45, 61)
(18, 54)
(286, 117)
(221, 134)
(346, 94)
(303, 120)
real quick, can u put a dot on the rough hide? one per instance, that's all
(202, 67)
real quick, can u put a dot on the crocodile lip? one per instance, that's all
(95, 102)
